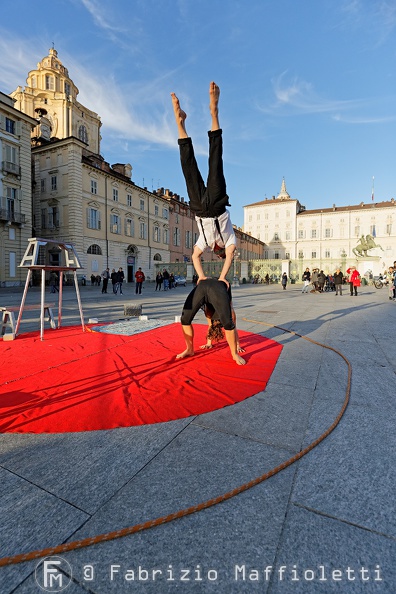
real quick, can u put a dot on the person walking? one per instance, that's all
(106, 277)
(53, 281)
(353, 279)
(284, 281)
(338, 278)
(306, 277)
(139, 277)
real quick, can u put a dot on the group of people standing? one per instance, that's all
(164, 278)
(116, 277)
(315, 282)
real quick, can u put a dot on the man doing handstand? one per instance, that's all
(216, 298)
(207, 202)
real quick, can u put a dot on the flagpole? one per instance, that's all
(372, 191)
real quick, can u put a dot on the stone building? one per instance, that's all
(78, 196)
(325, 237)
(15, 189)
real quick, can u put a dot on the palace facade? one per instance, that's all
(325, 236)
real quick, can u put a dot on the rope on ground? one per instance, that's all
(86, 542)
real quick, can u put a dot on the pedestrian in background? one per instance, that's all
(338, 278)
(139, 277)
(306, 277)
(120, 278)
(113, 277)
(284, 281)
(353, 279)
(106, 277)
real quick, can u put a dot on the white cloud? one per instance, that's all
(299, 96)
(100, 15)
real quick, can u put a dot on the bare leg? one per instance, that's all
(231, 337)
(214, 96)
(180, 117)
(188, 333)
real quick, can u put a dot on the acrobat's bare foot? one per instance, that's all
(239, 360)
(180, 117)
(206, 346)
(184, 354)
(214, 96)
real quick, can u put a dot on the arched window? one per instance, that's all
(157, 258)
(94, 249)
(83, 134)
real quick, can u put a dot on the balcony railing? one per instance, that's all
(9, 167)
(13, 217)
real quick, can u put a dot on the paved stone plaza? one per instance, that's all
(324, 524)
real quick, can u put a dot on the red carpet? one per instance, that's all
(75, 381)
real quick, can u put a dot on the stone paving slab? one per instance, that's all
(277, 416)
(350, 475)
(314, 545)
(88, 468)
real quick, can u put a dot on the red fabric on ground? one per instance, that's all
(85, 381)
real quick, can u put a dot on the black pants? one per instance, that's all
(209, 292)
(138, 288)
(210, 200)
(105, 283)
(352, 288)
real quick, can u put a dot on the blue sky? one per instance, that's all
(308, 88)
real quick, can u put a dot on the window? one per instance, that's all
(287, 255)
(142, 230)
(301, 234)
(129, 199)
(142, 204)
(276, 236)
(129, 227)
(357, 230)
(313, 233)
(67, 88)
(327, 232)
(11, 157)
(43, 218)
(372, 230)
(93, 218)
(188, 239)
(94, 186)
(287, 236)
(165, 213)
(166, 236)
(11, 197)
(156, 210)
(176, 236)
(53, 217)
(49, 82)
(94, 249)
(83, 134)
(327, 254)
(276, 255)
(300, 254)
(10, 126)
(54, 183)
(115, 224)
(115, 194)
(157, 234)
(389, 228)
(42, 184)
(313, 255)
